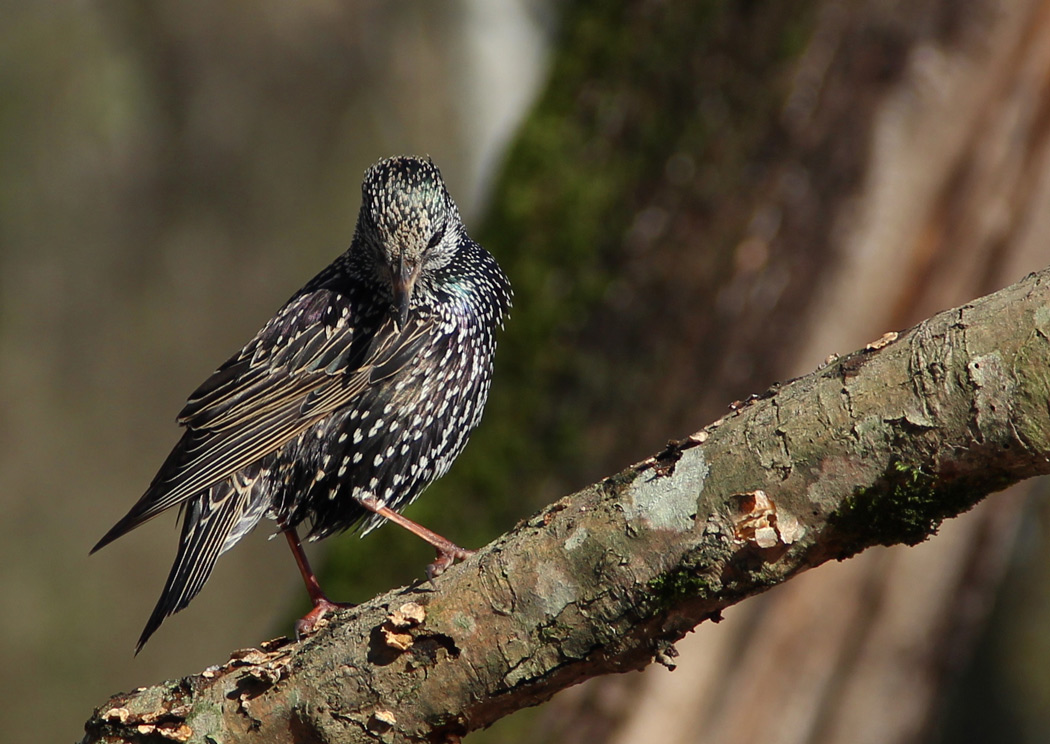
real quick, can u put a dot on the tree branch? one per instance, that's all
(875, 448)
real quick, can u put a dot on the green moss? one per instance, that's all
(671, 588)
(906, 506)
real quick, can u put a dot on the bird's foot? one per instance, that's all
(309, 623)
(446, 556)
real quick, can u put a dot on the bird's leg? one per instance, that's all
(447, 551)
(322, 604)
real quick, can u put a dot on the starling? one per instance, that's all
(349, 402)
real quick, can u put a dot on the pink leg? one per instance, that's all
(447, 551)
(322, 604)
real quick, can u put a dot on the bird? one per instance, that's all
(358, 393)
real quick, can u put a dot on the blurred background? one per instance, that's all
(693, 199)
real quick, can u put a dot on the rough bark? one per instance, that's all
(875, 448)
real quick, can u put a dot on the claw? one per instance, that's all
(308, 623)
(445, 558)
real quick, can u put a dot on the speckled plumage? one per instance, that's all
(366, 383)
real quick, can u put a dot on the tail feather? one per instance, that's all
(212, 523)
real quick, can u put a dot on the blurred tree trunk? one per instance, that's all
(754, 187)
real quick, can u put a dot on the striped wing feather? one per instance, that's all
(301, 367)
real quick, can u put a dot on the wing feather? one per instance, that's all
(285, 380)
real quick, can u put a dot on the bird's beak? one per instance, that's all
(404, 280)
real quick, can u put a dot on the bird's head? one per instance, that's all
(409, 222)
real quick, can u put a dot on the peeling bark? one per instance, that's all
(875, 448)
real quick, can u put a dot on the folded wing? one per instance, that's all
(305, 364)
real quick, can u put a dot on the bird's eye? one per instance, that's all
(436, 239)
